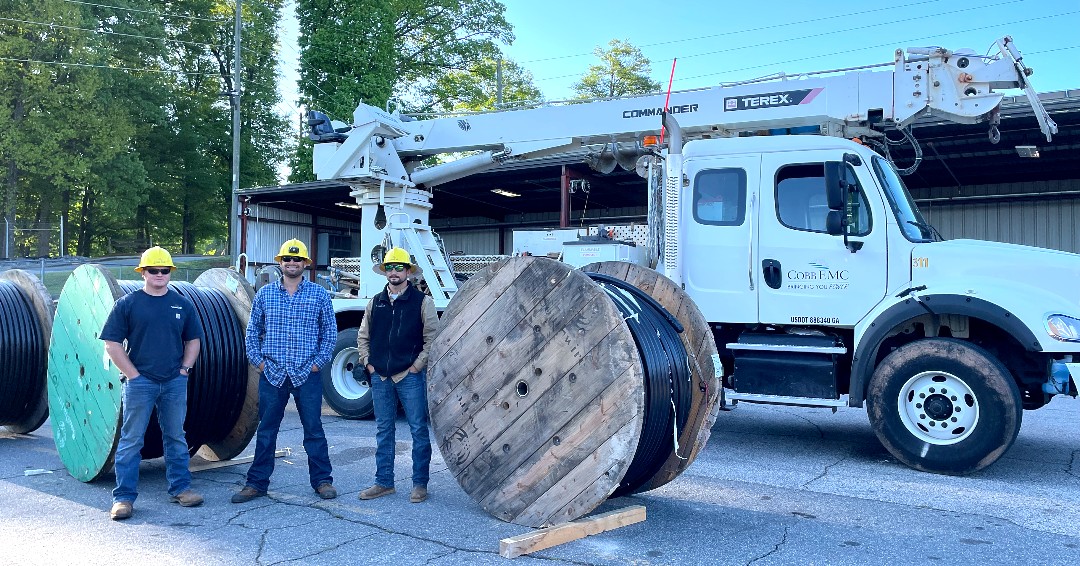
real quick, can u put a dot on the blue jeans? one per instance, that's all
(385, 393)
(272, 401)
(140, 396)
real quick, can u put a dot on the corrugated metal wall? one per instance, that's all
(1045, 214)
(268, 227)
(471, 242)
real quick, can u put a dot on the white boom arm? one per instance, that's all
(958, 85)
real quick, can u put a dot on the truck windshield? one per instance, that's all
(912, 223)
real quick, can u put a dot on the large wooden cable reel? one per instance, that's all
(85, 388)
(25, 325)
(536, 389)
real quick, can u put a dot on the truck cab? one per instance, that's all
(825, 286)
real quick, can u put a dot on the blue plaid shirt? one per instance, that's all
(291, 333)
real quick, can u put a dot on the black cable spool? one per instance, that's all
(24, 325)
(22, 354)
(667, 378)
(216, 385)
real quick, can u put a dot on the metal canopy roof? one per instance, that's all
(953, 155)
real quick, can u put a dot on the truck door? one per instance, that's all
(808, 276)
(717, 227)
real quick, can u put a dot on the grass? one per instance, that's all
(185, 271)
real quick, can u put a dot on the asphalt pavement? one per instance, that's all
(775, 485)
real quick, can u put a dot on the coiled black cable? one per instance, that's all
(22, 356)
(217, 384)
(668, 393)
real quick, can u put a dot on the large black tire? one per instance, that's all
(944, 406)
(345, 383)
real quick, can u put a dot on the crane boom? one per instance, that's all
(957, 85)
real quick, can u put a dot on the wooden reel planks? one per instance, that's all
(535, 391)
(84, 386)
(41, 307)
(698, 339)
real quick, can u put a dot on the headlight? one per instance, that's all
(1063, 327)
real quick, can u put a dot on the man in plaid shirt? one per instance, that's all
(290, 338)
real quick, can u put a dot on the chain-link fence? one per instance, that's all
(32, 239)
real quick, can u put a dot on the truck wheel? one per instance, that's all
(945, 406)
(345, 386)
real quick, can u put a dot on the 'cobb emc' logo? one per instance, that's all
(464, 125)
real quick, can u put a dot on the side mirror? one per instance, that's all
(834, 223)
(836, 188)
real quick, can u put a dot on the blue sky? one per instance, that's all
(719, 41)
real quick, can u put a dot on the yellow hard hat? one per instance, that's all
(295, 248)
(396, 255)
(156, 256)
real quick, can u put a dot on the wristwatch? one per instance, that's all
(187, 368)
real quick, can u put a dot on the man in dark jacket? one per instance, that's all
(398, 327)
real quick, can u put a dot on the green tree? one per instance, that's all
(475, 89)
(346, 56)
(434, 37)
(111, 117)
(56, 126)
(623, 70)
(376, 50)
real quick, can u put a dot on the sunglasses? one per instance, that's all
(156, 271)
(394, 267)
(291, 259)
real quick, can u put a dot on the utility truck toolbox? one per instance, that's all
(788, 365)
(593, 248)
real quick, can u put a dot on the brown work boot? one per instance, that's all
(376, 491)
(120, 510)
(419, 493)
(188, 498)
(326, 491)
(247, 494)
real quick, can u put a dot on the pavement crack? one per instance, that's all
(1071, 470)
(824, 472)
(775, 549)
(821, 433)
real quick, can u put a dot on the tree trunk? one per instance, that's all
(43, 235)
(86, 233)
(11, 187)
(65, 206)
(185, 228)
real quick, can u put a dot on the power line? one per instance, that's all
(61, 26)
(762, 28)
(68, 64)
(965, 30)
(161, 14)
(849, 29)
(312, 83)
(891, 43)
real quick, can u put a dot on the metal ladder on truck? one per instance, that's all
(421, 242)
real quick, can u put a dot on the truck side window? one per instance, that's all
(720, 197)
(801, 202)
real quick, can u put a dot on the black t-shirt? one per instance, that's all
(155, 329)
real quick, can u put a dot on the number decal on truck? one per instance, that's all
(917, 262)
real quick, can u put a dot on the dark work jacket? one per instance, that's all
(396, 331)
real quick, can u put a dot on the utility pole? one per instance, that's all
(234, 97)
(498, 83)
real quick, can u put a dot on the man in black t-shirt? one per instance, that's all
(163, 334)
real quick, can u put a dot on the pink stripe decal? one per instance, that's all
(813, 94)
